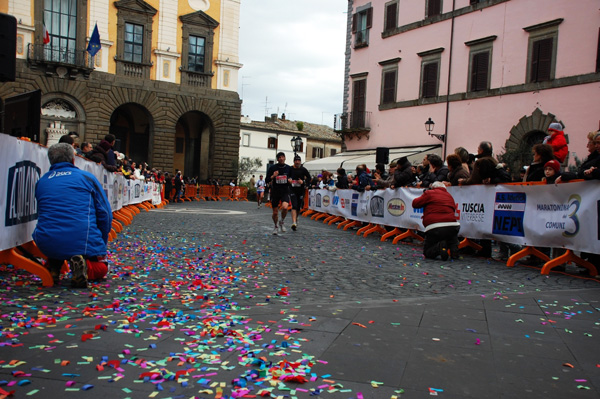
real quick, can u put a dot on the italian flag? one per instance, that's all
(46, 35)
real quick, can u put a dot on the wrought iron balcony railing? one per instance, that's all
(352, 121)
(60, 56)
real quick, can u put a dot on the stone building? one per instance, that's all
(164, 82)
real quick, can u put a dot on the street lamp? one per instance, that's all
(296, 144)
(429, 125)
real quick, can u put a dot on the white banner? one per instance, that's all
(22, 163)
(563, 215)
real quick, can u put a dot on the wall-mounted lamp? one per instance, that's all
(429, 125)
(296, 144)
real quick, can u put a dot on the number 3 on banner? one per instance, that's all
(576, 200)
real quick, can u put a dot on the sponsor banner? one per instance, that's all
(563, 215)
(22, 163)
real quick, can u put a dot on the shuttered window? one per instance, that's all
(598, 54)
(362, 21)
(430, 76)
(541, 60)
(434, 7)
(479, 71)
(389, 86)
(391, 16)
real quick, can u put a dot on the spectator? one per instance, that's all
(382, 182)
(178, 183)
(364, 180)
(65, 138)
(403, 174)
(252, 181)
(464, 158)
(456, 169)
(542, 153)
(342, 182)
(437, 171)
(84, 149)
(77, 233)
(441, 226)
(104, 154)
(556, 139)
(551, 171)
(586, 169)
(484, 168)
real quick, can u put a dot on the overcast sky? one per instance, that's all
(293, 57)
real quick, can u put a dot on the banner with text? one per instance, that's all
(563, 215)
(22, 163)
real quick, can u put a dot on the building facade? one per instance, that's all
(496, 70)
(164, 82)
(264, 140)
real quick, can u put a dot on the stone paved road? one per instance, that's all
(204, 302)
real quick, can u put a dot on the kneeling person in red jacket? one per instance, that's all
(74, 218)
(441, 226)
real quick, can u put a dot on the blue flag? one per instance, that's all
(94, 46)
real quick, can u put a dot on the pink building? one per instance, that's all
(496, 70)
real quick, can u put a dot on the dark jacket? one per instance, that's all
(74, 214)
(299, 174)
(364, 180)
(440, 174)
(483, 169)
(280, 182)
(104, 154)
(456, 174)
(403, 175)
(592, 160)
(535, 172)
(342, 182)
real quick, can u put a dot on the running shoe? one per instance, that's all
(282, 227)
(275, 231)
(79, 272)
(294, 226)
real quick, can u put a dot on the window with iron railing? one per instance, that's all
(60, 19)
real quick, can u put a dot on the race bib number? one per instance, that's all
(295, 183)
(281, 179)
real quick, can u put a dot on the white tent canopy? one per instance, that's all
(349, 160)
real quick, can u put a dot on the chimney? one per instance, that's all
(274, 117)
(283, 116)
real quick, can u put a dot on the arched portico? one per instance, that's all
(133, 127)
(193, 133)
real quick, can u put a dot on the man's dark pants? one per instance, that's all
(433, 237)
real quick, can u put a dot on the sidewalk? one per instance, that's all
(202, 297)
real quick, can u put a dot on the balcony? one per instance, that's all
(353, 124)
(130, 69)
(196, 79)
(61, 61)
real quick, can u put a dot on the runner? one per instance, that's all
(260, 190)
(278, 175)
(299, 177)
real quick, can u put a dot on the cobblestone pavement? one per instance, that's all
(204, 302)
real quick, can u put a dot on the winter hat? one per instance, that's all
(552, 164)
(555, 126)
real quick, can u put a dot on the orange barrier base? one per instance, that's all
(335, 220)
(568, 257)
(328, 218)
(364, 228)
(468, 243)
(308, 213)
(377, 229)
(407, 234)
(524, 252)
(352, 224)
(391, 233)
(14, 257)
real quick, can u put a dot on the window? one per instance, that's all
(317, 152)
(389, 80)
(60, 18)
(541, 54)
(480, 63)
(246, 140)
(430, 72)
(134, 43)
(332, 152)
(134, 37)
(196, 53)
(272, 142)
(391, 16)
(434, 7)
(359, 104)
(362, 21)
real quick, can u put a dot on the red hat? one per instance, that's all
(552, 164)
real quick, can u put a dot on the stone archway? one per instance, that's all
(60, 108)
(132, 125)
(529, 131)
(192, 144)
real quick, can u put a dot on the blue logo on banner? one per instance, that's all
(354, 205)
(509, 211)
(21, 206)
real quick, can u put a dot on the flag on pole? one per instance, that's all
(46, 35)
(94, 45)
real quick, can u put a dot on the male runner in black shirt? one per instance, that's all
(299, 177)
(278, 175)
